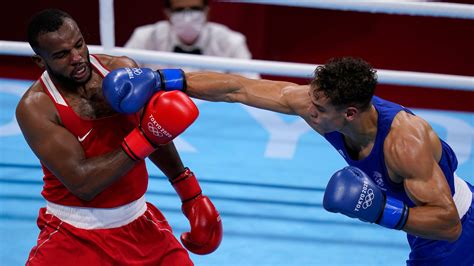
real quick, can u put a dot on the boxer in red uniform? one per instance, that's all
(95, 176)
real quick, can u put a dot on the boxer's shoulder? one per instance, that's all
(35, 95)
(113, 62)
(35, 101)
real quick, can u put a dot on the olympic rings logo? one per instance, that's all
(154, 130)
(368, 199)
(137, 71)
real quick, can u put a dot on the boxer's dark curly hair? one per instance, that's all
(45, 21)
(346, 81)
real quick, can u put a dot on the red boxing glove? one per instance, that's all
(166, 115)
(206, 225)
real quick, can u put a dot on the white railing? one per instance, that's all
(432, 9)
(402, 78)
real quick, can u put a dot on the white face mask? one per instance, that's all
(188, 24)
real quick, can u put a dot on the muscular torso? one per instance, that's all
(88, 101)
(90, 171)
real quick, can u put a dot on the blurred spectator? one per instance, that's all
(188, 31)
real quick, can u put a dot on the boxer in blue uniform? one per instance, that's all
(401, 174)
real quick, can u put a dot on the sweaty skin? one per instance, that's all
(65, 55)
(411, 149)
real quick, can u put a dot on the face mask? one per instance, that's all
(188, 24)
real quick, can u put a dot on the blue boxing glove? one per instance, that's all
(351, 192)
(128, 89)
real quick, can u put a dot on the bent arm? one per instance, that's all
(62, 153)
(412, 155)
(279, 96)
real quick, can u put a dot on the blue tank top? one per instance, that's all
(374, 164)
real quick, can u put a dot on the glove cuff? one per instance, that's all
(172, 79)
(136, 145)
(186, 185)
(395, 214)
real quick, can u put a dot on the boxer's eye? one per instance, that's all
(59, 55)
(79, 44)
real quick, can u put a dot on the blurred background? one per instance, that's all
(265, 172)
(293, 34)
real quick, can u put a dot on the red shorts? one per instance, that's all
(148, 240)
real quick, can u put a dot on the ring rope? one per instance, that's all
(287, 69)
(449, 10)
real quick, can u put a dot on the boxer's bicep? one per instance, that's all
(410, 156)
(57, 148)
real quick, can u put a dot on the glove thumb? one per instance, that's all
(203, 248)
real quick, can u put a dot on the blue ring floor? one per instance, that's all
(265, 172)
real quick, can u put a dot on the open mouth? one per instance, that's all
(80, 72)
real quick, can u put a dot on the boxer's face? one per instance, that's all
(65, 55)
(325, 117)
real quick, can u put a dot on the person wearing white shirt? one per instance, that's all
(188, 31)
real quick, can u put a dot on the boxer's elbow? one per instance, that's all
(454, 232)
(84, 192)
(453, 228)
(83, 189)
(81, 180)
(86, 196)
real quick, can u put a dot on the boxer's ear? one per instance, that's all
(351, 113)
(38, 60)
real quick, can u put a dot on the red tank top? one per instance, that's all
(98, 136)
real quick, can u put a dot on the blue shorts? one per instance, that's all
(434, 252)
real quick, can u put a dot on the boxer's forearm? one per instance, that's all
(278, 96)
(167, 158)
(213, 86)
(91, 176)
(433, 222)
